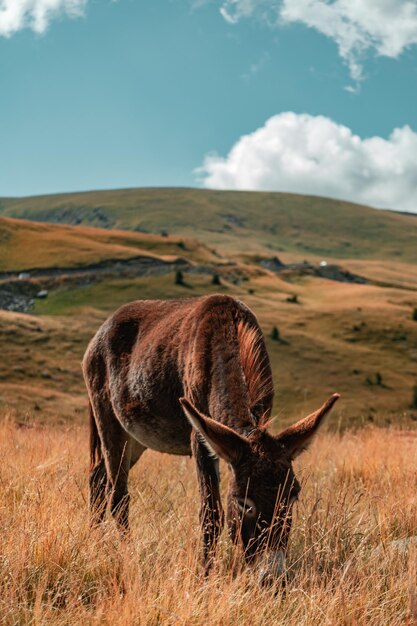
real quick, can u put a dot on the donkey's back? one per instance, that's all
(150, 353)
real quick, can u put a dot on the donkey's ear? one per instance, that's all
(221, 440)
(298, 437)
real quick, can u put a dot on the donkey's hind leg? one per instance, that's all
(123, 454)
(119, 462)
(120, 451)
(98, 493)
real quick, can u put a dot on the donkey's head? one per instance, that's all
(263, 487)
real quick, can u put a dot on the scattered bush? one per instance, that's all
(375, 380)
(216, 280)
(293, 299)
(414, 315)
(275, 334)
(414, 400)
(179, 278)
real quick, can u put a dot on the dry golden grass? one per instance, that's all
(359, 495)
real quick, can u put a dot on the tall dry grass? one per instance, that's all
(359, 496)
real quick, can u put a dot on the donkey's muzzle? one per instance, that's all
(272, 568)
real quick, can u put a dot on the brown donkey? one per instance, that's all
(155, 371)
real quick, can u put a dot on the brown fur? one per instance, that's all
(210, 353)
(256, 367)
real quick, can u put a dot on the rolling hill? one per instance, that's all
(236, 222)
(340, 331)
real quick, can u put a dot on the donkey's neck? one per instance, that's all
(228, 398)
(213, 374)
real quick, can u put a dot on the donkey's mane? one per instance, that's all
(254, 364)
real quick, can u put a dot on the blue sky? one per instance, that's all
(252, 94)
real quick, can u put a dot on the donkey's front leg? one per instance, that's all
(211, 511)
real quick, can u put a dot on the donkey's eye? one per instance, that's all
(246, 507)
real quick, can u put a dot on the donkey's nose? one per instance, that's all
(266, 579)
(272, 568)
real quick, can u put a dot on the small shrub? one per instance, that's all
(414, 400)
(179, 278)
(293, 299)
(251, 291)
(216, 280)
(414, 315)
(376, 380)
(275, 334)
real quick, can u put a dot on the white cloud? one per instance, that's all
(386, 27)
(35, 14)
(235, 10)
(314, 155)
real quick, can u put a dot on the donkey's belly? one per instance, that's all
(146, 401)
(161, 434)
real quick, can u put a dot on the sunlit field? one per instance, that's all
(359, 496)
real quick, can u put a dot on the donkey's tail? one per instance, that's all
(95, 443)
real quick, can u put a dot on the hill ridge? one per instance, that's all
(235, 221)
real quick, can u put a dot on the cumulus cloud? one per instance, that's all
(386, 27)
(314, 155)
(35, 14)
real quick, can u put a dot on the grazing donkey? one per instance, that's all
(155, 371)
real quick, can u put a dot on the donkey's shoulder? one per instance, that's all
(220, 301)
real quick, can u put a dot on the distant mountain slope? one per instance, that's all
(235, 221)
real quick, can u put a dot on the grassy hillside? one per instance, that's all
(27, 245)
(236, 221)
(357, 339)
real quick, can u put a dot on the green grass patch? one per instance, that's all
(108, 295)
